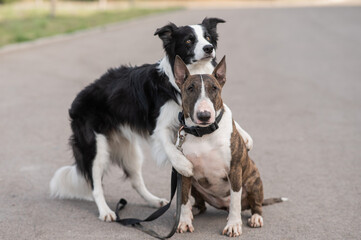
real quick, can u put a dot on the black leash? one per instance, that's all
(176, 183)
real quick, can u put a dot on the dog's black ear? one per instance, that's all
(211, 23)
(220, 72)
(180, 71)
(165, 33)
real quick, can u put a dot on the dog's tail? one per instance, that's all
(68, 182)
(270, 201)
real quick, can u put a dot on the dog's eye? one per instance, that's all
(214, 88)
(190, 88)
(188, 41)
(208, 38)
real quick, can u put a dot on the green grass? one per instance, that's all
(25, 25)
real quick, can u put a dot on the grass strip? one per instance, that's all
(28, 25)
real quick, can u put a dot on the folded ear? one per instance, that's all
(165, 33)
(220, 72)
(211, 23)
(180, 71)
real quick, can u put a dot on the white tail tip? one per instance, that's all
(68, 183)
(284, 199)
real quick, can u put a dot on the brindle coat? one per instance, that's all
(243, 174)
(224, 175)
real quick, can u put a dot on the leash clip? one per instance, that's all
(181, 139)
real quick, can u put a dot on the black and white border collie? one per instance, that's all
(127, 104)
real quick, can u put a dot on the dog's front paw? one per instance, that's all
(184, 227)
(233, 228)
(107, 216)
(255, 221)
(158, 202)
(183, 165)
(186, 218)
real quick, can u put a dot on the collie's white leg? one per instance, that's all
(163, 140)
(132, 164)
(100, 164)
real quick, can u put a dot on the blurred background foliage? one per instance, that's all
(25, 20)
(8, 1)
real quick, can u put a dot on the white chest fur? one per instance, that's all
(211, 156)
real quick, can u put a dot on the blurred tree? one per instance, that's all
(52, 8)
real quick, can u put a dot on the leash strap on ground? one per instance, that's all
(176, 183)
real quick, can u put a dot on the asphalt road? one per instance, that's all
(294, 83)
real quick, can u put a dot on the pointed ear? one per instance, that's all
(165, 33)
(220, 72)
(180, 71)
(211, 23)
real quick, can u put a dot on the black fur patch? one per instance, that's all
(129, 96)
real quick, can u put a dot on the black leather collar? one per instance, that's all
(200, 131)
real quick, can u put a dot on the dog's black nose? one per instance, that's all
(208, 49)
(204, 116)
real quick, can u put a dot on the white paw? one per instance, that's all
(158, 202)
(183, 165)
(107, 216)
(184, 227)
(186, 218)
(255, 221)
(233, 228)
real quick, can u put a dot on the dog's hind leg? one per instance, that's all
(255, 202)
(132, 160)
(199, 206)
(254, 188)
(100, 164)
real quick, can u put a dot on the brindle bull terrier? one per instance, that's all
(224, 175)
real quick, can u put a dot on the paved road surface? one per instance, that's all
(294, 84)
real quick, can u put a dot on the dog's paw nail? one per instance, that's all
(157, 202)
(233, 229)
(163, 202)
(107, 217)
(255, 221)
(184, 227)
